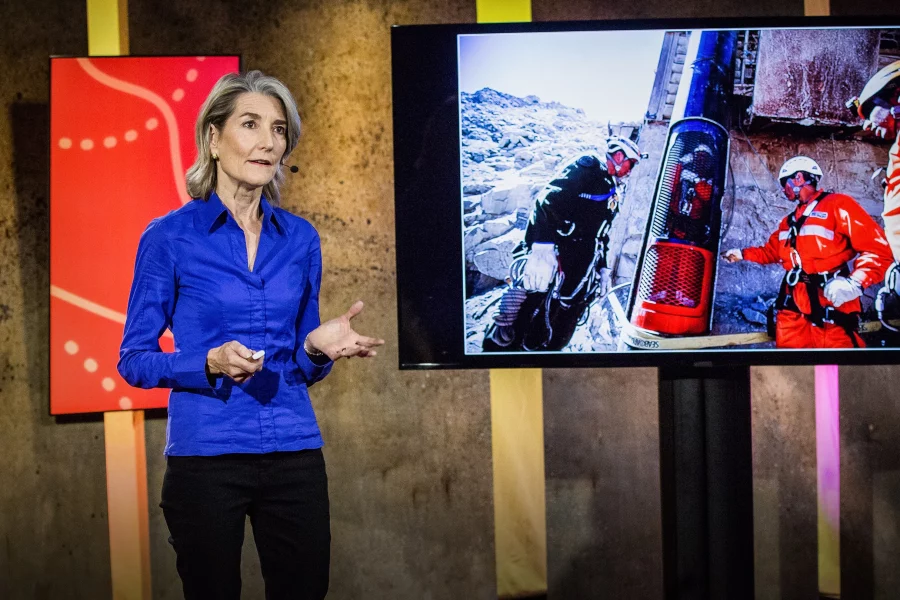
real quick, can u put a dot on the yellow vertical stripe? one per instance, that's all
(517, 443)
(127, 505)
(816, 8)
(126, 459)
(517, 437)
(503, 11)
(107, 22)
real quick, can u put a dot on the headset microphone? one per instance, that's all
(294, 169)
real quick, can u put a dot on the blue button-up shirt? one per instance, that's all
(191, 277)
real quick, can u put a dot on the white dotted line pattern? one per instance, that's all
(131, 135)
(90, 365)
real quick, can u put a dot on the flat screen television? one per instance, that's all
(634, 193)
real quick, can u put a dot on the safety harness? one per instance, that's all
(819, 315)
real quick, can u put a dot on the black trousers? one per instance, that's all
(206, 500)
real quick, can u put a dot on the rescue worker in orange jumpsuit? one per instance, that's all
(692, 191)
(818, 303)
(687, 222)
(879, 105)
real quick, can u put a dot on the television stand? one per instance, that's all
(706, 481)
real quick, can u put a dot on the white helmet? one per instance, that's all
(797, 164)
(884, 81)
(629, 148)
(689, 157)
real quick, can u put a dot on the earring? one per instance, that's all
(215, 156)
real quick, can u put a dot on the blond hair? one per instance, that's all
(201, 177)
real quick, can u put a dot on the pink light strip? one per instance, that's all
(828, 471)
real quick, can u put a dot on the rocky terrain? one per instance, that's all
(511, 147)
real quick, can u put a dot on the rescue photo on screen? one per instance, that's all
(680, 190)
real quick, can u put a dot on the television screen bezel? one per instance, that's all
(415, 105)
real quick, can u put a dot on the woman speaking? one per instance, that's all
(236, 279)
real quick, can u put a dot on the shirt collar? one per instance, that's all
(214, 213)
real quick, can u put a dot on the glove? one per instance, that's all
(734, 255)
(539, 268)
(841, 290)
(605, 282)
(892, 278)
(878, 121)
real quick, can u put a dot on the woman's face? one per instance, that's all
(252, 142)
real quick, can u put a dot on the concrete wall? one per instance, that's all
(52, 482)
(408, 453)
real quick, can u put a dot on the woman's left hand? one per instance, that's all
(338, 340)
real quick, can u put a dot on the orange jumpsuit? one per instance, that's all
(836, 231)
(892, 199)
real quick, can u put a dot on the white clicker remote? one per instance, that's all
(258, 355)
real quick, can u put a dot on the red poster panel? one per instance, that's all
(122, 137)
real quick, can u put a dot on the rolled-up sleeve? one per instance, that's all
(308, 319)
(151, 303)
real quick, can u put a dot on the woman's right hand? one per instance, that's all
(233, 360)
